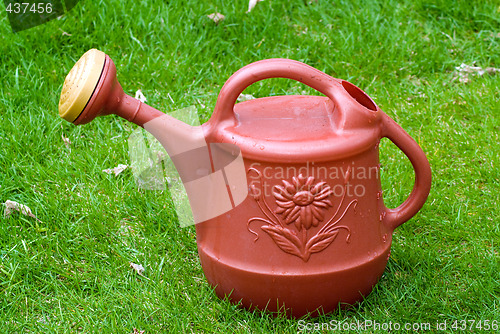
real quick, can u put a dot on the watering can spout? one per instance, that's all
(213, 171)
(91, 89)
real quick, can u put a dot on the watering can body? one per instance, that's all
(311, 232)
(314, 232)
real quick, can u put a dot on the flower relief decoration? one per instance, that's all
(300, 206)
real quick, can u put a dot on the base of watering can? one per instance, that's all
(295, 295)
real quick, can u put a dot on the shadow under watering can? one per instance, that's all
(299, 247)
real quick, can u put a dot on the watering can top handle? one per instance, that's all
(266, 69)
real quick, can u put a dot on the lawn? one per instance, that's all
(68, 270)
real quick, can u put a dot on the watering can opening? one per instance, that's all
(358, 95)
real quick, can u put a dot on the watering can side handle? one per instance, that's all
(395, 217)
(267, 69)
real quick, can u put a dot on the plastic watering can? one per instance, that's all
(285, 190)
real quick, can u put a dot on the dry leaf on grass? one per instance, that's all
(64, 33)
(11, 206)
(464, 72)
(245, 97)
(136, 331)
(140, 96)
(66, 141)
(252, 4)
(216, 17)
(117, 170)
(139, 269)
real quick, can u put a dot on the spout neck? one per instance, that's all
(130, 108)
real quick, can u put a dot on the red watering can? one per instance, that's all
(285, 190)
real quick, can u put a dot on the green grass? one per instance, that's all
(70, 272)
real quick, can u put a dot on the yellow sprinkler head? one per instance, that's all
(80, 84)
